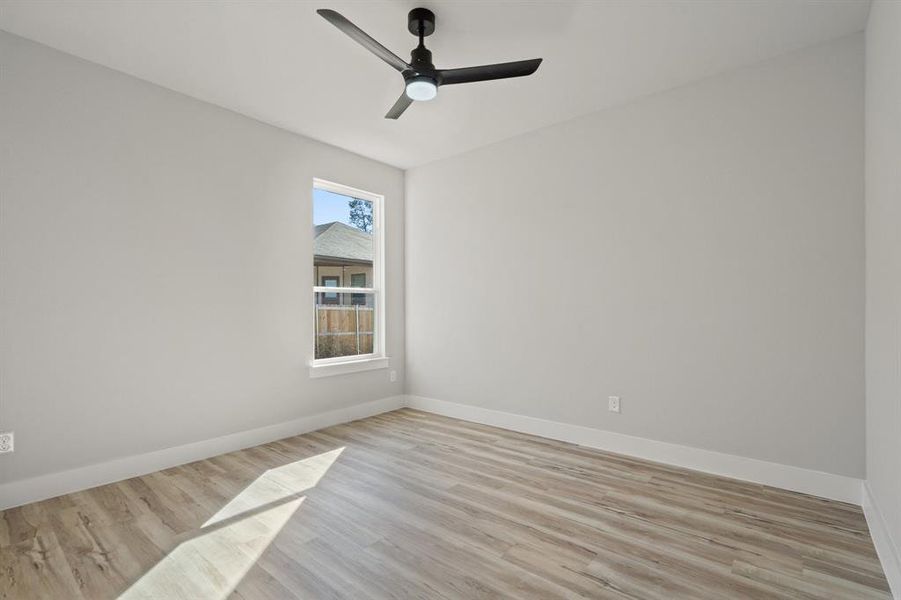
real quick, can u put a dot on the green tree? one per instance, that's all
(361, 214)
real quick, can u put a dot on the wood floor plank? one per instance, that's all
(410, 505)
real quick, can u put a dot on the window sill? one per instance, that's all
(349, 366)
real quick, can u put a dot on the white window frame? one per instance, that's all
(378, 359)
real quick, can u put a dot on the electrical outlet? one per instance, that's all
(392, 376)
(613, 403)
(6, 442)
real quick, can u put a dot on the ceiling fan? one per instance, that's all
(421, 78)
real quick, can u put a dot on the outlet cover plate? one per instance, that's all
(613, 403)
(7, 442)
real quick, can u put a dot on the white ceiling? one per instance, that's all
(281, 63)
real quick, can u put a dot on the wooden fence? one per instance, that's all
(343, 330)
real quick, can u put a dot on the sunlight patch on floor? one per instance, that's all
(212, 562)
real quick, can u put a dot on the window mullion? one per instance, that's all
(318, 289)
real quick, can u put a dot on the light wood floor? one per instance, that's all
(412, 505)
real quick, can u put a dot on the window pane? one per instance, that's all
(345, 326)
(342, 241)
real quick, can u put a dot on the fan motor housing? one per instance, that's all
(421, 59)
(422, 16)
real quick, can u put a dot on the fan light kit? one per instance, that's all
(421, 78)
(421, 88)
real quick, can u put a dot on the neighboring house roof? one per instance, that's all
(339, 241)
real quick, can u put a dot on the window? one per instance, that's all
(329, 297)
(358, 280)
(348, 290)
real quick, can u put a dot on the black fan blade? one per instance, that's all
(520, 68)
(399, 107)
(362, 38)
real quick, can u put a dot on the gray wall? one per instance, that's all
(699, 252)
(883, 208)
(155, 255)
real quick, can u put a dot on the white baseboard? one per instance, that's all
(887, 548)
(817, 483)
(16, 493)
